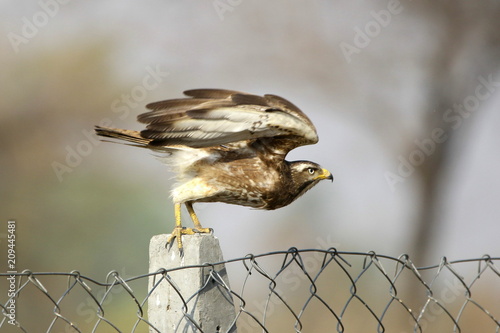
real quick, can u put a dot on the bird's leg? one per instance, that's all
(179, 230)
(197, 225)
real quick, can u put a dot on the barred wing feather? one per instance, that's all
(217, 117)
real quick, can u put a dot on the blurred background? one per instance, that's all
(404, 94)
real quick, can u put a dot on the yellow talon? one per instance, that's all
(179, 230)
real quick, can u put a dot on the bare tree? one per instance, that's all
(470, 50)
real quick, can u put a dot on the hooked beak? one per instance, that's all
(325, 174)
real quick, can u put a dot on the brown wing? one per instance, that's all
(213, 117)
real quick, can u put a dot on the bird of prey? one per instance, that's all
(227, 146)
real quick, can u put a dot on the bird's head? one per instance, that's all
(306, 174)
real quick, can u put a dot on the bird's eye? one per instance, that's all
(311, 171)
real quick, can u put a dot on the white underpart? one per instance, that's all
(191, 189)
(180, 160)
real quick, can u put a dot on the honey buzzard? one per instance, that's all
(227, 146)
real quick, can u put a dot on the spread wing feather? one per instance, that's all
(214, 117)
(210, 93)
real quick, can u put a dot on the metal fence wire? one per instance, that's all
(307, 290)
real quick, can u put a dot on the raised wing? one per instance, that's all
(213, 117)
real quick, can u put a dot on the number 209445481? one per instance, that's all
(11, 244)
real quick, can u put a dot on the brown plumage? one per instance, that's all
(228, 146)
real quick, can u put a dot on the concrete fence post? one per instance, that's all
(204, 305)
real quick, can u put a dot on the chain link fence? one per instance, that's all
(307, 290)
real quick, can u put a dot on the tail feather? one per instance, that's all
(178, 158)
(122, 134)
